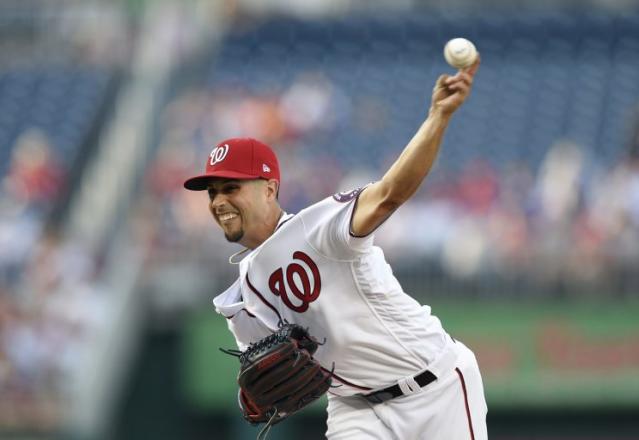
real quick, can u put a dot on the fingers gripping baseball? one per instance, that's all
(450, 92)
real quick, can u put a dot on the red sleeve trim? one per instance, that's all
(284, 221)
(350, 223)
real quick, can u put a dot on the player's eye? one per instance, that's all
(230, 188)
(212, 193)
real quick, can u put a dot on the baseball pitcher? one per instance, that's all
(316, 308)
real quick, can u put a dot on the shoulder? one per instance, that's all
(330, 206)
(335, 202)
(327, 225)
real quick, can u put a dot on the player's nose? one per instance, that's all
(218, 201)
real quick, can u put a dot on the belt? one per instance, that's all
(393, 391)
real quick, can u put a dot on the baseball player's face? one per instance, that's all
(238, 207)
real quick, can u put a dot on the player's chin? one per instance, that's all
(234, 236)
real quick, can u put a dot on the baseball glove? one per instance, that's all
(279, 376)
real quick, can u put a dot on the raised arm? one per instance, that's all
(379, 200)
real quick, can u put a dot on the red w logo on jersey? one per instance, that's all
(298, 282)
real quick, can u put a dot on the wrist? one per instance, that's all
(437, 113)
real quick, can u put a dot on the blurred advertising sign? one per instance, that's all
(531, 354)
(551, 354)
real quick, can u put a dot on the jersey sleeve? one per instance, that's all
(246, 329)
(327, 226)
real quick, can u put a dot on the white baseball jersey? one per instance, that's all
(313, 272)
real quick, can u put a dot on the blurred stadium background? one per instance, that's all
(525, 239)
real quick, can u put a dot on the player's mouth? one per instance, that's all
(226, 217)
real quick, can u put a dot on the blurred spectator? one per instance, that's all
(312, 103)
(478, 187)
(35, 175)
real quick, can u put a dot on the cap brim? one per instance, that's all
(201, 182)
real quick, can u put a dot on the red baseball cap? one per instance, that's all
(237, 158)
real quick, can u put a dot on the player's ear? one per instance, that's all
(272, 189)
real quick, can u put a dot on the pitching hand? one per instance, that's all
(451, 91)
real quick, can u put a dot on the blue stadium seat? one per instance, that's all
(62, 101)
(545, 77)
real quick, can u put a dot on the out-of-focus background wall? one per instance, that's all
(524, 239)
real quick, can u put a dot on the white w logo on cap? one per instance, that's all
(219, 153)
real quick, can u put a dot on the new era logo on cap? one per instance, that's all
(237, 158)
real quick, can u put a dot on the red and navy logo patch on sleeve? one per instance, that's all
(346, 196)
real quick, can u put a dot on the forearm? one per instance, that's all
(379, 200)
(409, 170)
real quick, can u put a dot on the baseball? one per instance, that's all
(460, 53)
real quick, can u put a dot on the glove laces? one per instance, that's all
(256, 347)
(267, 428)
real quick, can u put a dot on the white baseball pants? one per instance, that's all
(451, 408)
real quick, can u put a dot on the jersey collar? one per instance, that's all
(284, 217)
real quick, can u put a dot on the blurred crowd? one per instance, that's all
(49, 306)
(570, 222)
(560, 227)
